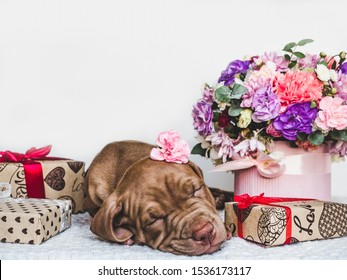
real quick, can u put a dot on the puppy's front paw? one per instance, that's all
(229, 235)
(129, 242)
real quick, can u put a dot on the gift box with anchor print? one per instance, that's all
(272, 221)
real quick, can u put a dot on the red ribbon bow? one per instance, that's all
(31, 154)
(32, 168)
(245, 200)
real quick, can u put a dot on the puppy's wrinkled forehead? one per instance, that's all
(177, 183)
(176, 177)
(156, 180)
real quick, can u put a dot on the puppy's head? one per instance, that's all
(166, 206)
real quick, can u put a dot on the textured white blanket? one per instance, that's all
(79, 243)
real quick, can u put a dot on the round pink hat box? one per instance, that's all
(306, 175)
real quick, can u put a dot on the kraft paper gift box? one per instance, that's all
(33, 221)
(270, 223)
(34, 175)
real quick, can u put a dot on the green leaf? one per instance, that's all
(238, 91)
(301, 136)
(292, 64)
(287, 57)
(289, 46)
(215, 116)
(304, 42)
(223, 94)
(316, 137)
(234, 110)
(334, 65)
(339, 135)
(313, 104)
(293, 144)
(198, 150)
(299, 54)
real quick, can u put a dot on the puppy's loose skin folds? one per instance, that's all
(166, 206)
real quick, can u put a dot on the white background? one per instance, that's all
(78, 74)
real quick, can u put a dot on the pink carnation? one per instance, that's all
(271, 130)
(294, 87)
(171, 148)
(333, 114)
(252, 85)
(255, 81)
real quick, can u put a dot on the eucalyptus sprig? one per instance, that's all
(290, 48)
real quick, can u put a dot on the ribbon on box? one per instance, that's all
(266, 165)
(32, 169)
(277, 163)
(245, 200)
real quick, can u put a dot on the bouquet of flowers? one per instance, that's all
(294, 97)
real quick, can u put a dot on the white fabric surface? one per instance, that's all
(78, 242)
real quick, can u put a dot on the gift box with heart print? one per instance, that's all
(60, 179)
(33, 221)
(278, 223)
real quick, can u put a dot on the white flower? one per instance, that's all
(223, 105)
(258, 61)
(206, 145)
(323, 72)
(245, 118)
(333, 75)
(238, 81)
(249, 145)
(271, 66)
(214, 154)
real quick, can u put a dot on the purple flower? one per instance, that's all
(235, 67)
(343, 68)
(309, 61)
(298, 118)
(208, 94)
(202, 116)
(341, 85)
(337, 148)
(265, 104)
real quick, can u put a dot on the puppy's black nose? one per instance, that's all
(205, 234)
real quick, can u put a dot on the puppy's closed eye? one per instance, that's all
(155, 220)
(198, 191)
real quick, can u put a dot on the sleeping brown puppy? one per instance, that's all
(166, 206)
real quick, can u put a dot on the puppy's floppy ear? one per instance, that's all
(103, 222)
(196, 169)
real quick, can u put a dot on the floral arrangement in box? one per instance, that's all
(294, 97)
